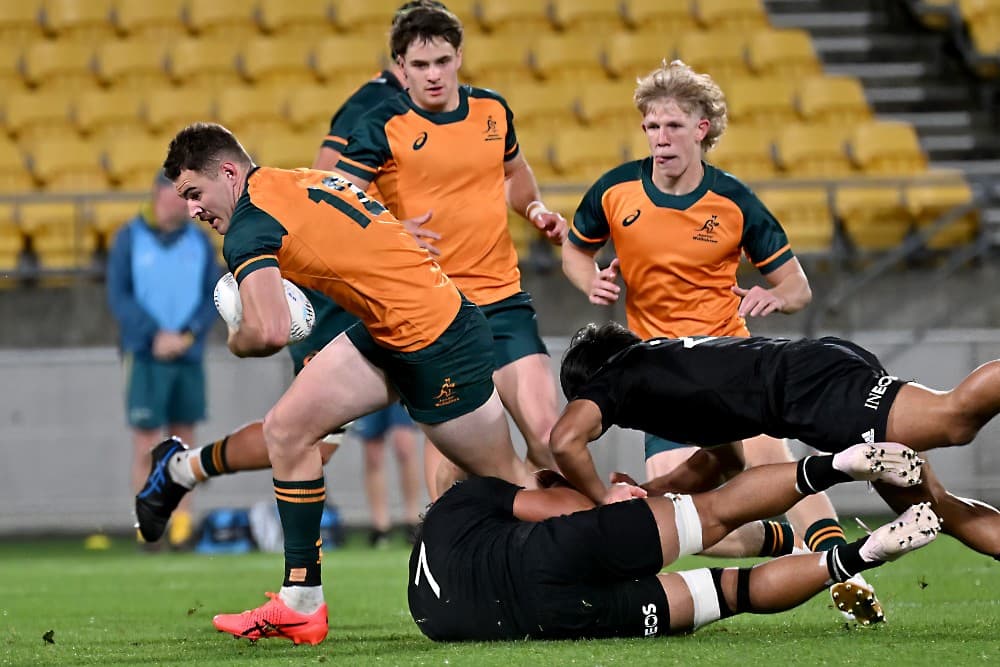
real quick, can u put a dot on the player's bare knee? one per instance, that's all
(278, 436)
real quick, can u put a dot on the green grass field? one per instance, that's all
(119, 607)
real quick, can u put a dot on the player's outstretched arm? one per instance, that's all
(579, 424)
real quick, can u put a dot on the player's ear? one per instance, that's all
(458, 58)
(702, 128)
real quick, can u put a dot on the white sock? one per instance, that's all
(180, 469)
(303, 599)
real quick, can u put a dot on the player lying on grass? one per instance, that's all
(828, 393)
(494, 561)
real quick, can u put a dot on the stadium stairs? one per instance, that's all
(914, 74)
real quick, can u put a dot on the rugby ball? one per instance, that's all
(230, 307)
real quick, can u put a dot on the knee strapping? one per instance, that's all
(689, 536)
(705, 594)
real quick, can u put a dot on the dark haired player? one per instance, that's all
(712, 391)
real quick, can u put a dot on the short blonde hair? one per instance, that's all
(693, 93)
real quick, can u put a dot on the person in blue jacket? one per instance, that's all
(162, 271)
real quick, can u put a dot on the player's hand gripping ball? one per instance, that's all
(230, 307)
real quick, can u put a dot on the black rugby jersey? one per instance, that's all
(698, 390)
(466, 561)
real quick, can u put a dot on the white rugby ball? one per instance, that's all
(230, 307)
(227, 301)
(301, 310)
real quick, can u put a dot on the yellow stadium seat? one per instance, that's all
(250, 110)
(152, 22)
(10, 67)
(221, 19)
(536, 147)
(287, 150)
(811, 151)
(134, 64)
(11, 244)
(108, 215)
(744, 151)
(547, 106)
(628, 56)
(986, 37)
(370, 19)
(926, 202)
(568, 58)
(766, 102)
(515, 16)
(68, 165)
(32, 115)
(608, 105)
(59, 238)
(873, 216)
(278, 62)
(205, 62)
(833, 100)
(497, 62)
(311, 108)
(304, 19)
(581, 155)
(591, 17)
(974, 11)
(348, 58)
(131, 162)
(101, 114)
(658, 17)
(168, 110)
(887, 148)
(19, 22)
(722, 55)
(14, 174)
(805, 215)
(782, 53)
(83, 20)
(731, 14)
(565, 201)
(66, 65)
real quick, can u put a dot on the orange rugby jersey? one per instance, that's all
(679, 254)
(323, 233)
(451, 163)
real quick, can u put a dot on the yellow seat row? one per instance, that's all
(95, 20)
(492, 61)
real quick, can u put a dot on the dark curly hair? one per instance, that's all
(589, 349)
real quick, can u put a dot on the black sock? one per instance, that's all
(823, 535)
(778, 539)
(816, 473)
(845, 561)
(213, 458)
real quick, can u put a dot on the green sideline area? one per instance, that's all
(62, 605)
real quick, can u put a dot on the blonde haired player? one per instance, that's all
(679, 226)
